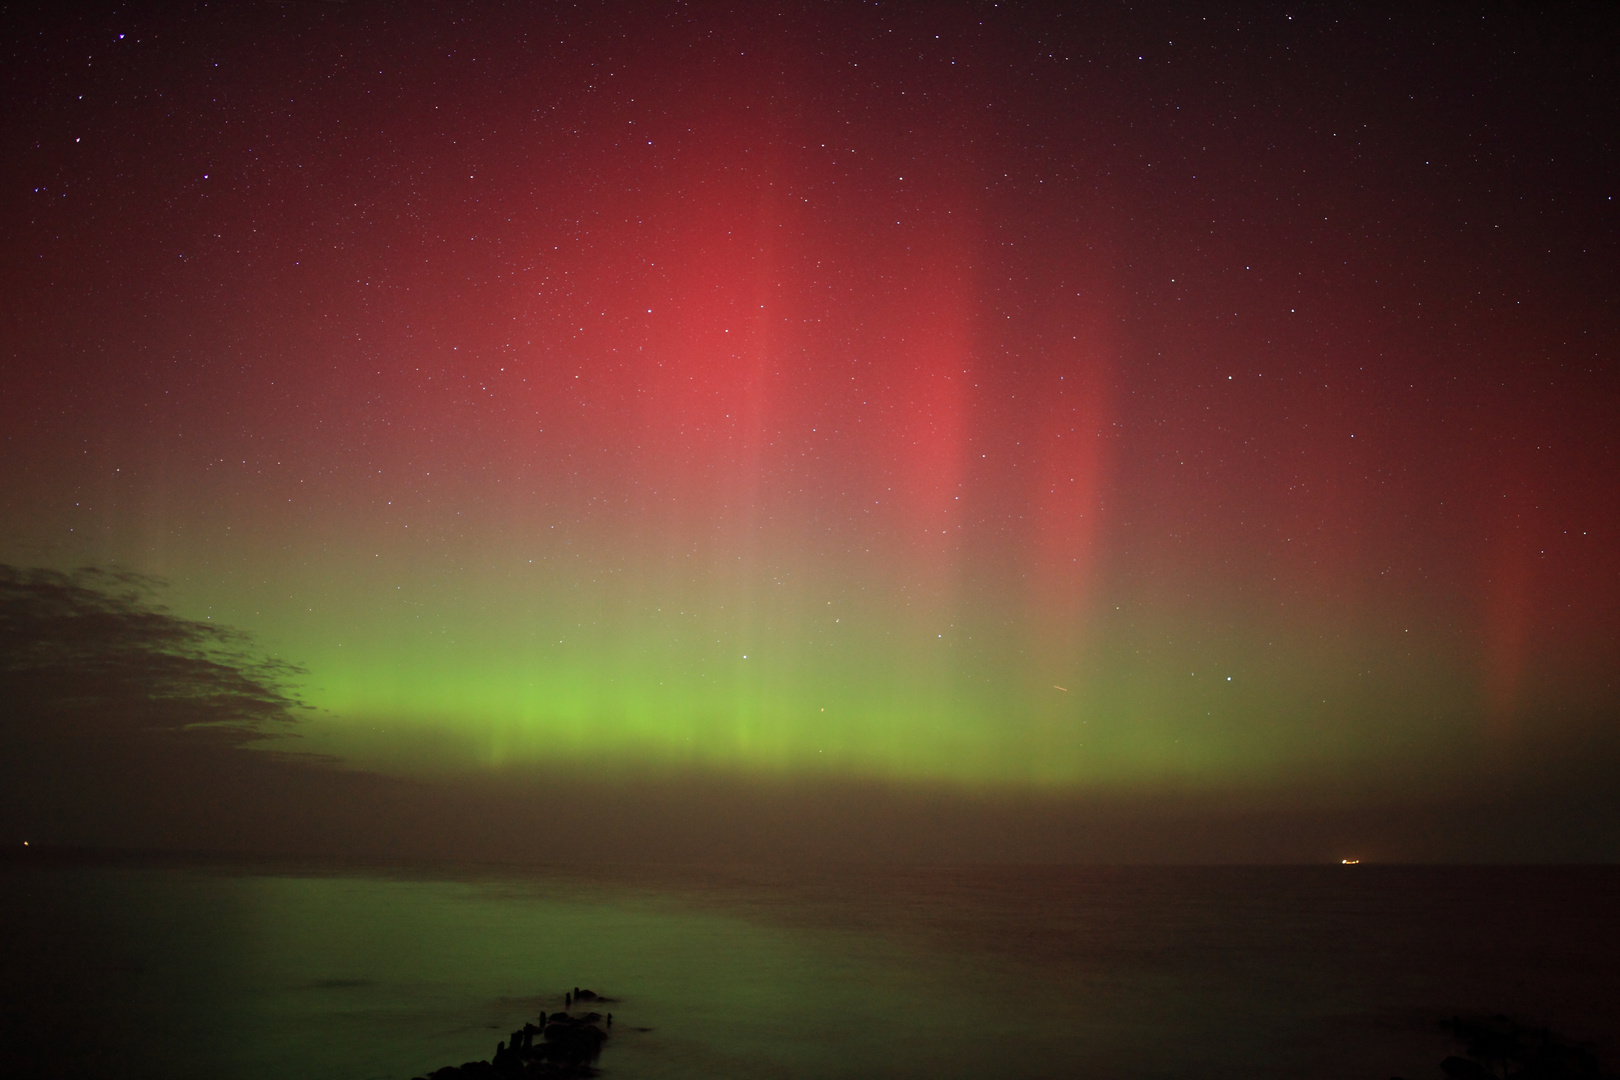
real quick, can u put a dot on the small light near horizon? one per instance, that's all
(1349, 862)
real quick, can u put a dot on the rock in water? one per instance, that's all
(567, 1049)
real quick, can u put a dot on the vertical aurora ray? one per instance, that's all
(936, 399)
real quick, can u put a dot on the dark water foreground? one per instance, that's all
(175, 969)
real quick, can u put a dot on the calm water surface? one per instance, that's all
(270, 972)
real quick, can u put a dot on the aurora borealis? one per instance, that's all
(999, 399)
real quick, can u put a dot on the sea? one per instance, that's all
(177, 968)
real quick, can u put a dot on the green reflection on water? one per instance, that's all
(177, 972)
(402, 976)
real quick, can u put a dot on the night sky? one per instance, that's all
(1009, 404)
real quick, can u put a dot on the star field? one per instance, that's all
(1004, 398)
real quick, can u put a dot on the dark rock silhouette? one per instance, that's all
(1499, 1048)
(567, 1048)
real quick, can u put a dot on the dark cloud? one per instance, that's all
(92, 655)
(127, 725)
